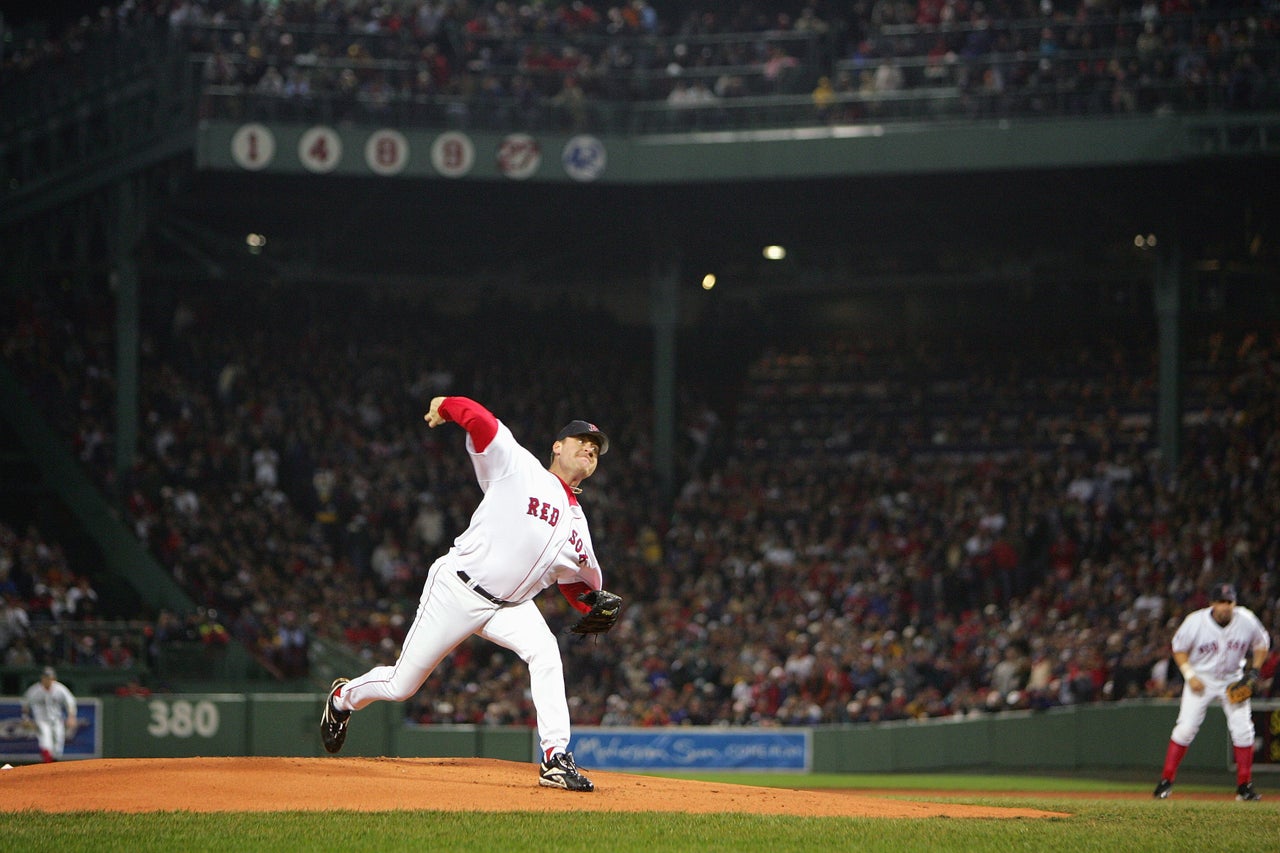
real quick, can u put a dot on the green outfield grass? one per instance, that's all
(1094, 824)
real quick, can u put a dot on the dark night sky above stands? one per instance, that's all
(57, 14)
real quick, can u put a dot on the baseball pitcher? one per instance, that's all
(527, 533)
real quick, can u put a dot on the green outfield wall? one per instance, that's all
(1126, 736)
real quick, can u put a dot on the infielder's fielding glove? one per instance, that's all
(1238, 691)
(605, 609)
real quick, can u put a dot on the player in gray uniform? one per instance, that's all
(50, 706)
(527, 533)
(1211, 647)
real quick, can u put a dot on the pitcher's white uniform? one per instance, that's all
(1217, 654)
(527, 533)
(50, 706)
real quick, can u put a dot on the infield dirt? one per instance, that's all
(393, 784)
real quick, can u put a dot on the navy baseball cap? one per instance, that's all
(1223, 592)
(576, 428)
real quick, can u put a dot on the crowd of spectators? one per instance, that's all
(49, 613)
(524, 65)
(871, 529)
(978, 532)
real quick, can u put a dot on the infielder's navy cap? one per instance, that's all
(585, 428)
(1223, 592)
(49, 671)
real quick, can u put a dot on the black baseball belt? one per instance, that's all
(481, 591)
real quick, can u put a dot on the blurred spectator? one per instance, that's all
(133, 688)
(14, 621)
(290, 646)
(116, 655)
(82, 600)
(571, 104)
(824, 98)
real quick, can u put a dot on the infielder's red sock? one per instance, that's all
(1244, 764)
(46, 756)
(1172, 758)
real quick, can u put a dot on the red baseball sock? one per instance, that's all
(1172, 758)
(1244, 764)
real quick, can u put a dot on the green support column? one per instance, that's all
(664, 302)
(124, 284)
(1168, 304)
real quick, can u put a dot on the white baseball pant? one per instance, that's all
(448, 613)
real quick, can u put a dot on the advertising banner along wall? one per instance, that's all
(692, 749)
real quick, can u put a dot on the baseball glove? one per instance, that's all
(1238, 691)
(605, 608)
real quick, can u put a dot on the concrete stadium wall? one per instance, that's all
(1129, 736)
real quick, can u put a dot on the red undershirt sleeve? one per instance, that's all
(478, 421)
(571, 591)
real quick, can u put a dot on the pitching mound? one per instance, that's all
(390, 784)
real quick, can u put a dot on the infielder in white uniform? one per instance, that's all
(1211, 647)
(527, 533)
(51, 707)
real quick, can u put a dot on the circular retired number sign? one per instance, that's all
(519, 156)
(452, 154)
(583, 158)
(320, 149)
(253, 147)
(386, 152)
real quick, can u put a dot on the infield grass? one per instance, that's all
(1095, 824)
